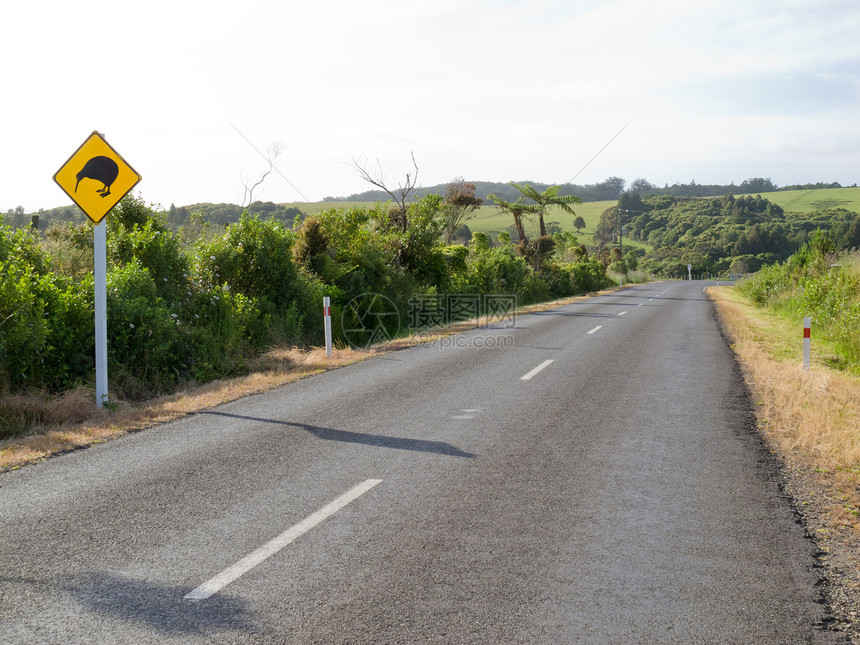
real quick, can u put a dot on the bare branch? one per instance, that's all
(273, 152)
(400, 196)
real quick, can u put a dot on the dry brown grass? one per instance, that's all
(812, 419)
(62, 431)
(73, 406)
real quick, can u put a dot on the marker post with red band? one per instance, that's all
(327, 324)
(807, 342)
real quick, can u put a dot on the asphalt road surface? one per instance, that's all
(589, 474)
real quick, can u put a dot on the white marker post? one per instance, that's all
(100, 275)
(807, 342)
(327, 324)
(690, 272)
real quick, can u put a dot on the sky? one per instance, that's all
(196, 95)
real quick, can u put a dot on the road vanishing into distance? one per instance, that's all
(588, 474)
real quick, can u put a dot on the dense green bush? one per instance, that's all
(145, 347)
(68, 312)
(826, 297)
(846, 332)
(155, 247)
(494, 269)
(588, 275)
(23, 329)
(768, 284)
(44, 326)
(255, 258)
(818, 284)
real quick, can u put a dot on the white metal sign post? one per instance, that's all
(96, 177)
(100, 275)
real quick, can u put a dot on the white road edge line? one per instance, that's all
(529, 376)
(595, 329)
(213, 586)
(622, 313)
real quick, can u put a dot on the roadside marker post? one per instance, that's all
(327, 324)
(807, 342)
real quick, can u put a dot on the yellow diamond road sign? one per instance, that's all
(96, 177)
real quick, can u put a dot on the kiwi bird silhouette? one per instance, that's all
(103, 169)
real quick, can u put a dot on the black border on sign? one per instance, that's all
(98, 134)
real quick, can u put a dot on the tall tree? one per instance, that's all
(518, 210)
(642, 186)
(460, 204)
(547, 199)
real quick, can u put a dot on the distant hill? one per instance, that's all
(609, 189)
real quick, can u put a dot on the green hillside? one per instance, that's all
(806, 201)
(489, 220)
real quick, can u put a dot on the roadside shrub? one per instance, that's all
(22, 247)
(768, 285)
(827, 297)
(310, 243)
(455, 258)
(496, 270)
(422, 256)
(145, 349)
(847, 334)
(364, 260)
(157, 249)
(68, 310)
(23, 328)
(806, 285)
(588, 275)
(154, 344)
(255, 258)
(46, 330)
(481, 243)
(43, 318)
(557, 277)
(69, 250)
(222, 331)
